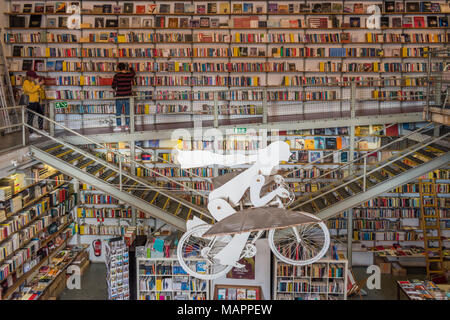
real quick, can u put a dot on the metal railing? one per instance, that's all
(365, 174)
(262, 105)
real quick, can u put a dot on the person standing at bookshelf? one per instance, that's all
(122, 85)
(33, 88)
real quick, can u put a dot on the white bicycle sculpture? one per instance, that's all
(297, 238)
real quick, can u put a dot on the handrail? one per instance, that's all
(123, 173)
(387, 162)
(370, 152)
(111, 150)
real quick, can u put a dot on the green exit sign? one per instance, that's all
(240, 130)
(61, 105)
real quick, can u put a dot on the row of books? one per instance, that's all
(392, 202)
(379, 225)
(386, 236)
(398, 95)
(174, 172)
(91, 212)
(334, 22)
(376, 67)
(29, 51)
(94, 229)
(235, 8)
(337, 37)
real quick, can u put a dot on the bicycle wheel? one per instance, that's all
(300, 245)
(193, 245)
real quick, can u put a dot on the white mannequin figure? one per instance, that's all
(223, 199)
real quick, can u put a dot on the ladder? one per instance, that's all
(431, 225)
(7, 117)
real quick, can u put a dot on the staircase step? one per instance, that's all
(391, 170)
(84, 163)
(343, 193)
(107, 174)
(51, 147)
(331, 198)
(354, 187)
(320, 203)
(94, 169)
(184, 213)
(369, 182)
(439, 147)
(402, 165)
(150, 196)
(73, 157)
(308, 207)
(173, 207)
(377, 175)
(60, 152)
(138, 193)
(426, 154)
(414, 159)
(160, 200)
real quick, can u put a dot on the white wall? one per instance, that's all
(262, 271)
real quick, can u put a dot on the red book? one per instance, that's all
(419, 22)
(140, 9)
(392, 131)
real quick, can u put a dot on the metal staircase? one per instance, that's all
(117, 180)
(401, 168)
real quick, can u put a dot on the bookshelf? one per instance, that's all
(390, 225)
(309, 48)
(165, 279)
(36, 218)
(324, 280)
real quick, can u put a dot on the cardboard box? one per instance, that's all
(385, 266)
(398, 270)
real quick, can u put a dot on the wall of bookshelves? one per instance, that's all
(100, 216)
(393, 220)
(35, 212)
(183, 49)
(324, 280)
(165, 279)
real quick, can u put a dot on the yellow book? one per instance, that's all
(177, 66)
(82, 229)
(404, 52)
(237, 37)
(321, 66)
(47, 52)
(139, 172)
(408, 81)
(81, 80)
(375, 67)
(375, 94)
(64, 66)
(147, 109)
(158, 285)
(369, 37)
(121, 38)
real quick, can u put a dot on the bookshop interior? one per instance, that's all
(128, 128)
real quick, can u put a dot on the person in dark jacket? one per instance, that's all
(122, 85)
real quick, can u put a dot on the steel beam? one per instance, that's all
(99, 184)
(383, 187)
